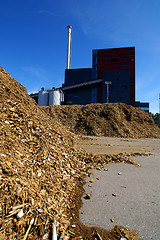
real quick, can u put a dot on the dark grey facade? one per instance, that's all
(75, 76)
(79, 88)
(81, 92)
(79, 96)
(119, 89)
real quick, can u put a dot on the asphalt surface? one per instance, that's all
(137, 203)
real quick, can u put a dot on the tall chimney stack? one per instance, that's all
(69, 47)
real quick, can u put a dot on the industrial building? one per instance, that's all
(111, 78)
(142, 105)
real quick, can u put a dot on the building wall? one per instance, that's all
(75, 76)
(80, 96)
(119, 89)
(99, 93)
(84, 95)
(115, 59)
(142, 105)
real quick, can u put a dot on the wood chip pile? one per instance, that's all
(112, 119)
(41, 171)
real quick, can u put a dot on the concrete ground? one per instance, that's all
(137, 203)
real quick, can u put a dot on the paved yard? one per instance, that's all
(137, 203)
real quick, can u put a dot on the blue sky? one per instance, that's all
(34, 39)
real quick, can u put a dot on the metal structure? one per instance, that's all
(43, 97)
(108, 83)
(49, 97)
(69, 47)
(54, 97)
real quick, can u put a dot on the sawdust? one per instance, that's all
(42, 172)
(108, 119)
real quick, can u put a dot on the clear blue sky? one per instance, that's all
(33, 39)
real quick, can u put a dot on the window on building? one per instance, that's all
(107, 60)
(122, 67)
(115, 59)
(123, 64)
(144, 108)
(131, 60)
(107, 67)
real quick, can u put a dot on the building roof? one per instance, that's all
(82, 84)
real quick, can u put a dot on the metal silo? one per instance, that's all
(54, 97)
(43, 97)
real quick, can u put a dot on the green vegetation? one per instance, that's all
(156, 118)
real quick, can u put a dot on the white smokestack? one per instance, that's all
(69, 47)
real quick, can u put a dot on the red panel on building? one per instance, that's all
(118, 59)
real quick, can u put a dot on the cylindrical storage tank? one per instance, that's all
(43, 98)
(54, 97)
(51, 97)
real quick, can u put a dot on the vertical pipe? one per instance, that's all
(107, 93)
(108, 83)
(69, 47)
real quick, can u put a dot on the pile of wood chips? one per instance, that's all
(108, 119)
(42, 172)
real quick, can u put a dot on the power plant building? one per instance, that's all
(111, 78)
